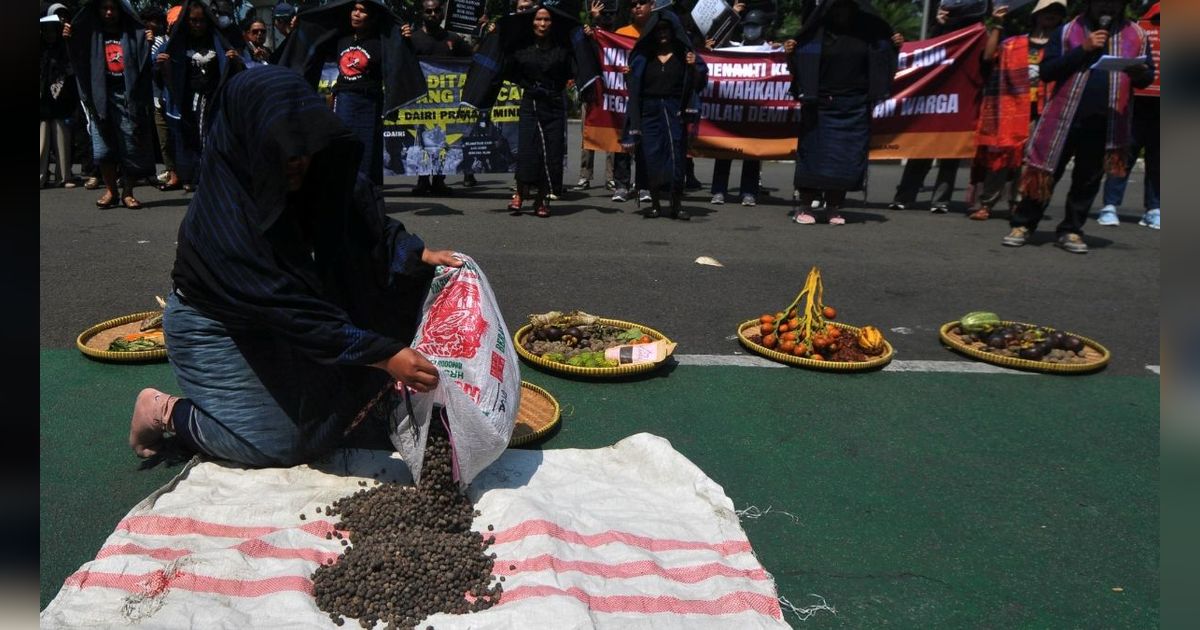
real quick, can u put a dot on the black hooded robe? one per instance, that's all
(311, 287)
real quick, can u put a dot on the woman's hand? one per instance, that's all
(624, 70)
(897, 39)
(435, 257)
(690, 58)
(710, 43)
(150, 36)
(231, 54)
(739, 7)
(1000, 13)
(943, 16)
(406, 30)
(597, 7)
(587, 30)
(66, 32)
(162, 58)
(410, 368)
(789, 45)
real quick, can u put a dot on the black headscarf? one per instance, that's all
(86, 46)
(322, 267)
(805, 61)
(515, 31)
(178, 93)
(311, 44)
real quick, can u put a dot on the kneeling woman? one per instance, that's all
(295, 295)
(665, 80)
(841, 62)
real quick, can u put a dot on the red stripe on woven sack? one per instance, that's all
(182, 526)
(625, 570)
(729, 604)
(157, 581)
(535, 527)
(129, 549)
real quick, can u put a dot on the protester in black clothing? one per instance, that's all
(295, 296)
(110, 54)
(377, 69)
(841, 62)
(255, 53)
(432, 40)
(665, 79)
(915, 170)
(58, 99)
(283, 16)
(196, 60)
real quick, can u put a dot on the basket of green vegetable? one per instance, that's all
(580, 344)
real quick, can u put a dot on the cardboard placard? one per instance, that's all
(716, 19)
(462, 16)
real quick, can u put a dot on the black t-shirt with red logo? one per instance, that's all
(114, 64)
(359, 63)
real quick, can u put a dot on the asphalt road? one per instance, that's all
(906, 272)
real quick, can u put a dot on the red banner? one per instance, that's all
(1149, 23)
(747, 112)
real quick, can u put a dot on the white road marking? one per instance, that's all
(1153, 368)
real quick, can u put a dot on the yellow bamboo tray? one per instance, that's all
(950, 339)
(95, 340)
(831, 366)
(604, 372)
(537, 413)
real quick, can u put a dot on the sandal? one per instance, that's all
(136, 205)
(514, 206)
(982, 214)
(92, 183)
(804, 218)
(543, 210)
(111, 202)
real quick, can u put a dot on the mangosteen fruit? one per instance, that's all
(553, 333)
(1032, 353)
(1056, 338)
(574, 331)
(996, 340)
(1072, 343)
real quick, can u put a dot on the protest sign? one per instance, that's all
(715, 18)
(462, 16)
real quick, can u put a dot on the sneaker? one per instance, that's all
(804, 218)
(610, 184)
(1151, 219)
(896, 205)
(718, 199)
(1016, 237)
(748, 200)
(644, 196)
(1073, 243)
(939, 208)
(582, 184)
(1108, 216)
(163, 177)
(551, 197)
(620, 194)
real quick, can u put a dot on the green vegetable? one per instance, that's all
(553, 356)
(633, 334)
(137, 345)
(978, 321)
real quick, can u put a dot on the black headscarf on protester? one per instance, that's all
(489, 68)
(302, 265)
(805, 61)
(643, 50)
(86, 46)
(311, 45)
(178, 89)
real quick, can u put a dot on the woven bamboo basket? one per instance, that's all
(832, 366)
(94, 341)
(537, 414)
(951, 340)
(604, 372)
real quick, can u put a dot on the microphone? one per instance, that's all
(1104, 22)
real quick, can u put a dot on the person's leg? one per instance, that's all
(608, 168)
(622, 167)
(1147, 126)
(992, 189)
(252, 398)
(166, 145)
(1086, 178)
(943, 189)
(44, 146)
(61, 131)
(587, 159)
(748, 186)
(911, 181)
(804, 199)
(834, 200)
(691, 183)
(720, 180)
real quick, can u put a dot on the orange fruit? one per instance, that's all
(766, 329)
(800, 350)
(817, 357)
(779, 316)
(790, 335)
(787, 347)
(783, 327)
(833, 331)
(767, 318)
(769, 341)
(829, 312)
(794, 323)
(793, 314)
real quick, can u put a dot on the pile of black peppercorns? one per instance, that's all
(412, 551)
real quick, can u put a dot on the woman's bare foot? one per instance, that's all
(151, 419)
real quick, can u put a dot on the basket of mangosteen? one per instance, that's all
(984, 336)
(585, 345)
(805, 334)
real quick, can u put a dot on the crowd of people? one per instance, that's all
(295, 296)
(122, 91)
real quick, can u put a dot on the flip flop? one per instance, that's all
(136, 205)
(112, 202)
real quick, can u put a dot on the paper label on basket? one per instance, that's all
(640, 352)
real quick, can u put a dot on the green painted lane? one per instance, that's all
(921, 499)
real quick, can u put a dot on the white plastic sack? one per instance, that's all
(479, 386)
(628, 536)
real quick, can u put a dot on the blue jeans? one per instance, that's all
(252, 398)
(124, 137)
(1145, 136)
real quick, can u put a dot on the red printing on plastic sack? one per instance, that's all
(497, 366)
(454, 325)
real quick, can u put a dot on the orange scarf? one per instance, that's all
(1004, 110)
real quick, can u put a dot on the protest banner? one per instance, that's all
(436, 136)
(462, 16)
(748, 113)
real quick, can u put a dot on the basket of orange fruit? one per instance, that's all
(805, 334)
